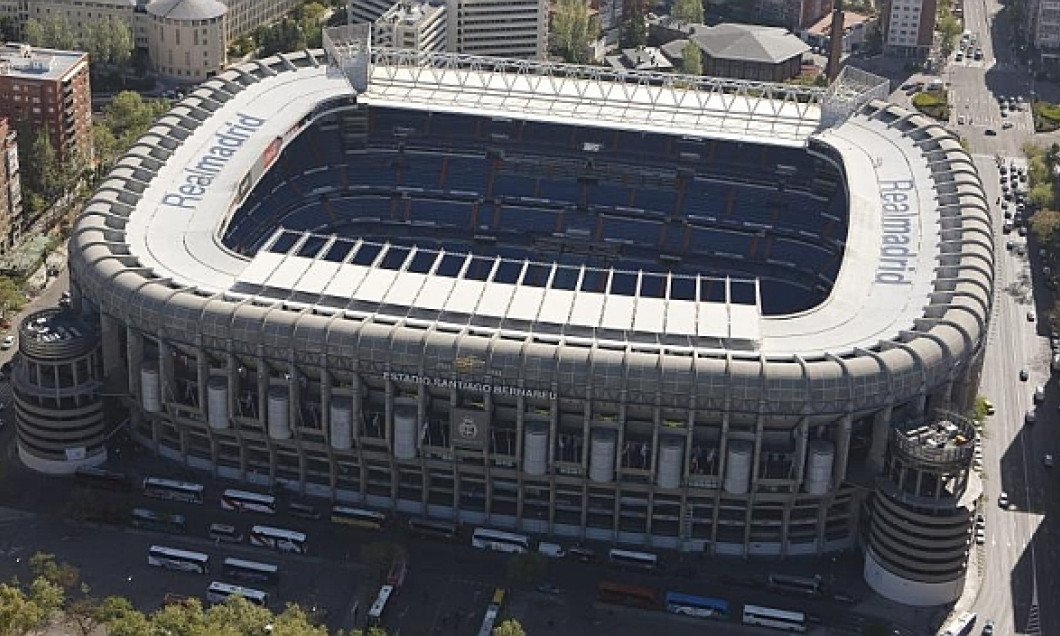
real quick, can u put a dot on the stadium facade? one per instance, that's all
(676, 312)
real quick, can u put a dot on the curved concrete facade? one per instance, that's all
(58, 410)
(489, 387)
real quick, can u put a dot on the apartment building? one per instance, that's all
(793, 14)
(413, 25)
(908, 27)
(1042, 26)
(10, 187)
(51, 90)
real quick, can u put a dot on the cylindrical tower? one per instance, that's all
(535, 449)
(920, 531)
(406, 428)
(56, 386)
(217, 402)
(602, 456)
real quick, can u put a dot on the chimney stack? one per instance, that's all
(835, 51)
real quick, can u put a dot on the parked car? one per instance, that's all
(1039, 394)
(1048, 460)
(7, 342)
(1002, 499)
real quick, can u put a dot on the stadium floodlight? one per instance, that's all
(851, 90)
(349, 51)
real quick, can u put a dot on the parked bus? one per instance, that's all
(960, 625)
(174, 559)
(375, 612)
(487, 539)
(358, 517)
(220, 592)
(146, 519)
(493, 612)
(251, 571)
(629, 558)
(809, 586)
(433, 529)
(186, 491)
(226, 533)
(698, 606)
(246, 501)
(629, 595)
(777, 619)
(279, 539)
(395, 577)
(100, 478)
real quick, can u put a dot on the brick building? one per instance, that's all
(50, 89)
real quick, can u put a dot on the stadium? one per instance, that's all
(647, 309)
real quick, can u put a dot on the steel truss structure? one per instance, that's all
(724, 108)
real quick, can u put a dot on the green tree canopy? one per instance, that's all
(633, 31)
(1042, 196)
(572, 30)
(691, 59)
(688, 10)
(1045, 223)
(510, 627)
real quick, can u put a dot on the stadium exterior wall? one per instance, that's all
(646, 399)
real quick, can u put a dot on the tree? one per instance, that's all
(510, 627)
(1041, 196)
(571, 30)
(690, 11)
(120, 43)
(34, 32)
(121, 618)
(1045, 224)
(45, 566)
(634, 30)
(11, 301)
(9, 29)
(691, 59)
(1038, 169)
(22, 613)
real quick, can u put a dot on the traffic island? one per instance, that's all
(933, 104)
(1046, 116)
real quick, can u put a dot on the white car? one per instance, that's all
(8, 342)
(1039, 393)
(1048, 460)
(1002, 499)
(980, 536)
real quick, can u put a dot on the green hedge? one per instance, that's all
(1046, 116)
(933, 104)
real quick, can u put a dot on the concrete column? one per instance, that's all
(166, 372)
(294, 395)
(111, 333)
(881, 426)
(842, 444)
(802, 435)
(325, 405)
(263, 397)
(202, 373)
(134, 349)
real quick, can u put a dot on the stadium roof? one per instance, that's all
(187, 9)
(883, 288)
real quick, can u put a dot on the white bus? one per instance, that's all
(279, 539)
(777, 619)
(171, 489)
(961, 625)
(220, 592)
(809, 586)
(245, 501)
(357, 517)
(375, 612)
(629, 558)
(251, 571)
(174, 559)
(487, 539)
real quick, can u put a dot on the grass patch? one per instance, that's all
(933, 104)
(1046, 116)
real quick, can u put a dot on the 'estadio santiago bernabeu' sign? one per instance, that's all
(467, 385)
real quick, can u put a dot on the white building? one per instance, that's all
(413, 25)
(504, 28)
(908, 26)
